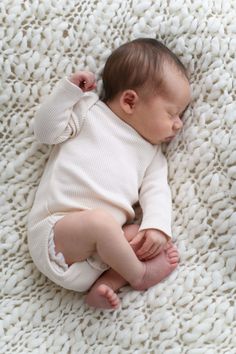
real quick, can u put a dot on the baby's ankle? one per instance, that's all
(137, 284)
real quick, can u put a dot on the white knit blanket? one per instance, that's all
(191, 312)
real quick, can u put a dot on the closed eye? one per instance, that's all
(181, 114)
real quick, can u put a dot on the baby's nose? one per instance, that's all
(178, 124)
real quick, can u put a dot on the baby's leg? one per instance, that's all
(102, 293)
(79, 234)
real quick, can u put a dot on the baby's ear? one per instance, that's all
(128, 101)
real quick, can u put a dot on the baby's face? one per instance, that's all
(158, 119)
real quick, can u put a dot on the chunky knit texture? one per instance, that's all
(191, 312)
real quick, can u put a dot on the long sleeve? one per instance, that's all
(55, 121)
(155, 196)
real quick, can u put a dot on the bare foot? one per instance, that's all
(102, 294)
(103, 297)
(158, 268)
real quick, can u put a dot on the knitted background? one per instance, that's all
(194, 310)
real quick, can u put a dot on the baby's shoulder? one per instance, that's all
(85, 104)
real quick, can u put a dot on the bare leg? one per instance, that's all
(78, 235)
(102, 294)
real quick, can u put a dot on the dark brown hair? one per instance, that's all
(138, 64)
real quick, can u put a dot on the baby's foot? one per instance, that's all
(103, 297)
(158, 268)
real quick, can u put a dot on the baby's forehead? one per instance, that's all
(177, 90)
(171, 70)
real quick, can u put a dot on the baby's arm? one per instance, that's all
(155, 201)
(56, 120)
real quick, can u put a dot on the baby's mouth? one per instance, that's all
(169, 138)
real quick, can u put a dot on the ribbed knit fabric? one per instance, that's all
(98, 161)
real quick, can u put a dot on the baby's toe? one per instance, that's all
(173, 255)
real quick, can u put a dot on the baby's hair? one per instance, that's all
(138, 65)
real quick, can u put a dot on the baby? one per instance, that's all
(106, 157)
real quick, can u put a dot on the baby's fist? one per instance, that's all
(149, 243)
(84, 79)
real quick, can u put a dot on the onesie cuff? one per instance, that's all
(150, 224)
(71, 89)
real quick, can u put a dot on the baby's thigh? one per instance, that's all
(71, 237)
(76, 234)
(79, 276)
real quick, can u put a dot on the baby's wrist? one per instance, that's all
(165, 236)
(75, 81)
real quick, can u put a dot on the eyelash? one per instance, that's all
(172, 116)
(179, 115)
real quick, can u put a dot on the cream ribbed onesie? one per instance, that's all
(97, 161)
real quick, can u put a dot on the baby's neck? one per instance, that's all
(115, 107)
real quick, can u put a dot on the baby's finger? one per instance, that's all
(136, 239)
(82, 84)
(91, 87)
(87, 84)
(145, 248)
(89, 81)
(154, 251)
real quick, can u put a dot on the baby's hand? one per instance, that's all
(149, 243)
(84, 79)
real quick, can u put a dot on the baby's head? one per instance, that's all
(139, 74)
(139, 65)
